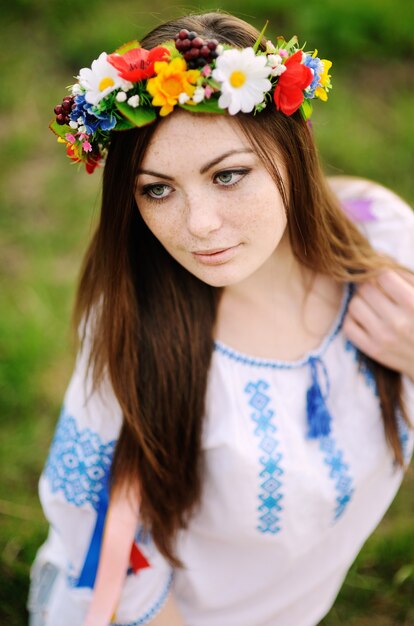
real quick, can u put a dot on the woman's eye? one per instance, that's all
(157, 192)
(230, 177)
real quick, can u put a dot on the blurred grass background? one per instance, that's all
(48, 210)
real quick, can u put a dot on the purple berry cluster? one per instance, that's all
(196, 51)
(63, 110)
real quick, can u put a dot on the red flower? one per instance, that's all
(91, 161)
(288, 95)
(137, 64)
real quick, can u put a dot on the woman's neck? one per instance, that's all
(281, 311)
(280, 280)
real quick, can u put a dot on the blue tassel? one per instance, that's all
(318, 416)
(90, 566)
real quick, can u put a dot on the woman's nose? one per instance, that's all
(203, 216)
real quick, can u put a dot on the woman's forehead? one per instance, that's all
(185, 135)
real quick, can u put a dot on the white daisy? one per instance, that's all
(99, 80)
(243, 78)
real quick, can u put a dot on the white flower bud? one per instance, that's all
(198, 95)
(133, 101)
(76, 90)
(73, 124)
(121, 96)
(274, 60)
(278, 71)
(183, 98)
(82, 129)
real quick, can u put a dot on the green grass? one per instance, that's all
(48, 209)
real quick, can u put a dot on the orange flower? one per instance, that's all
(170, 81)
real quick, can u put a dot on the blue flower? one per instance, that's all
(107, 120)
(314, 64)
(90, 119)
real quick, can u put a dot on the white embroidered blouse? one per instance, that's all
(284, 511)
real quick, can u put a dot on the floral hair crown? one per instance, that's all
(126, 89)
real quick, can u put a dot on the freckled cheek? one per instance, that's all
(163, 229)
(167, 232)
(268, 221)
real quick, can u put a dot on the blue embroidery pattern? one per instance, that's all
(143, 537)
(78, 463)
(403, 429)
(153, 610)
(270, 497)
(338, 472)
(363, 367)
(403, 433)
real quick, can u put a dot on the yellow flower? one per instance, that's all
(170, 81)
(324, 81)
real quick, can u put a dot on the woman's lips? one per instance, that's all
(216, 256)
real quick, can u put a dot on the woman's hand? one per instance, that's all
(380, 320)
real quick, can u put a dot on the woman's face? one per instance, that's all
(209, 200)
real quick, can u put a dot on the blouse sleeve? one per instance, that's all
(73, 491)
(382, 216)
(388, 224)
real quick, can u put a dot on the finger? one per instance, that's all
(365, 315)
(398, 288)
(406, 275)
(358, 336)
(384, 307)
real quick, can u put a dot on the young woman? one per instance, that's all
(238, 419)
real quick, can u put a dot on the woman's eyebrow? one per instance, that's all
(154, 174)
(214, 162)
(203, 170)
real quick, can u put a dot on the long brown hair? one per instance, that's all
(152, 321)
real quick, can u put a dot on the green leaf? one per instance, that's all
(170, 45)
(123, 124)
(292, 43)
(306, 109)
(139, 116)
(126, 47)
(207, 106)
(60, 130)
(259, 39)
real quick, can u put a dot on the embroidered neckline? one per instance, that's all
(247, 359)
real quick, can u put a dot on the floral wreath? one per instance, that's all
(128, 88)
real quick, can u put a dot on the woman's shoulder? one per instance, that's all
(366, 200)
(382, 216)
(90, 408)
